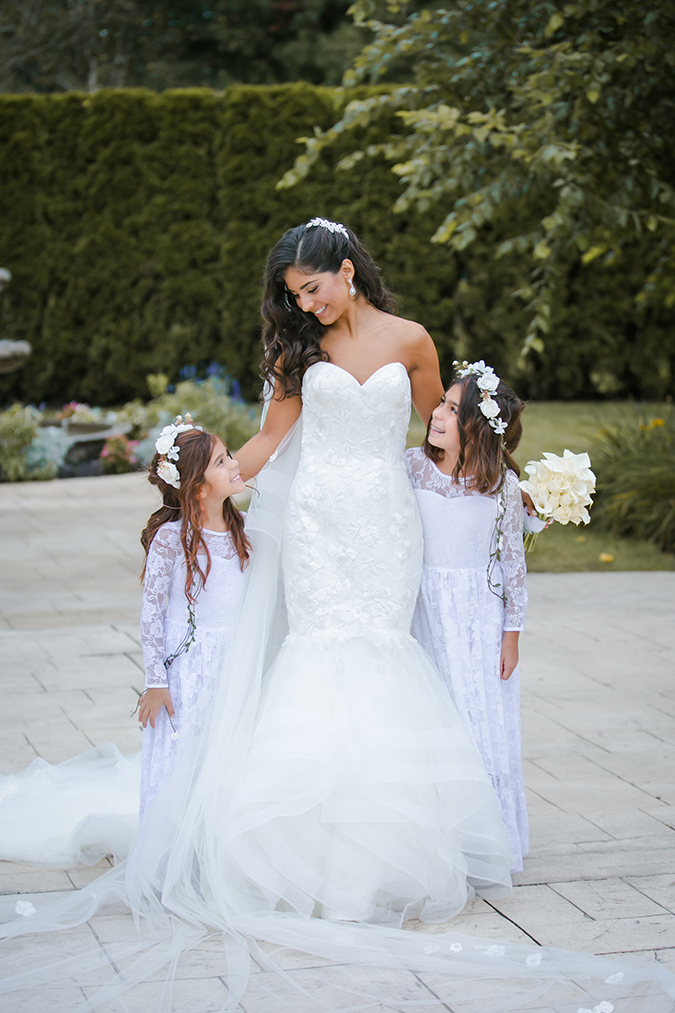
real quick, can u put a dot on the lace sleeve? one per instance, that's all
(162, 557)
(513, 556)
(409, 464)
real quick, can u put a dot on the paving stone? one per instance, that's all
(267, 994)
(208, 995)
(667, 958)
(608, 898)
(615, 935)
(572, 863)
(56, 1000)
(33, 880)
(84, 875)
(659, 888)
(528, 901)
(623, 824)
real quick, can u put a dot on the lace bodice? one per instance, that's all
(460, 530)
(164, 603)
(352, 550)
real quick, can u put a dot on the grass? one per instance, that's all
(573, 425)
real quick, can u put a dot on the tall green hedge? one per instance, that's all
(136, 227)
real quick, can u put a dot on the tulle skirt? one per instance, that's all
(77, 811)
(363, 798)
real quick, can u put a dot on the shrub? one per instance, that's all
(211, 405)
(136, 227)
(635, 466)
(119, 455)
(18, 428)
(47, 453)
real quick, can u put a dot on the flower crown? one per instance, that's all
(323, 223)
(165, 445)
(488, 382)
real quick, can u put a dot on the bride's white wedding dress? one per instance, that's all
(334, 792)
(364, 798)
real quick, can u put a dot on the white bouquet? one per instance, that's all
(560, 488)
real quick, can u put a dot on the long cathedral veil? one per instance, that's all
(182, 886)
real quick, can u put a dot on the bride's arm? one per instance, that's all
(281, 415)
(425, 375)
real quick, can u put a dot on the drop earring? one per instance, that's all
(352, 290)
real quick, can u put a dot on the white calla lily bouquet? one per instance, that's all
(560, 488)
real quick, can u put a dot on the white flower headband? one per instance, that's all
(165, 445)
(323, 223)
(488, 382)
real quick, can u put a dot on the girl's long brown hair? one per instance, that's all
(196, 448)
(483, 453)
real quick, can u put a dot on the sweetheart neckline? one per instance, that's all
(394, 362)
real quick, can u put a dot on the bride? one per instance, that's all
(363, 798)
(334, 793)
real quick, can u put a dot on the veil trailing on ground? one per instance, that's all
(183, 885)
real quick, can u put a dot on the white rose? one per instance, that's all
(488, 381)
(489, 408)
(166, 439)
(563, 514)
(169, 473)
(558, 482)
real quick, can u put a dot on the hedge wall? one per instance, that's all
(136, 226)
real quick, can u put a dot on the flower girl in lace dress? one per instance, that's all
(473, 596)
(196, 550)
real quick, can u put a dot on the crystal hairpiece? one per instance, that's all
(323, 223)
(488, 382)
(165, 445)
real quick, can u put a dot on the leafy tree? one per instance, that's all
(62, 45)
(542, 126)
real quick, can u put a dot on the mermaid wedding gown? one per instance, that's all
(334, 792)
(364, 798)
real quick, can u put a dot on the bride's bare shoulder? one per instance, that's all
(412, 336)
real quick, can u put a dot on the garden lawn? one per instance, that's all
(573, 425)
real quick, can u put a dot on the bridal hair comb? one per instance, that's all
(323, 223)
(165, 445)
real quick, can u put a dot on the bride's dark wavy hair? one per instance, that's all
(292, 338)
(481, 453)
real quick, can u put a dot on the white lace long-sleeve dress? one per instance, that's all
(164, 626)
(459, 621)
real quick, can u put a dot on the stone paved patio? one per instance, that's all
(598, 728)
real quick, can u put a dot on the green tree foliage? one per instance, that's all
(136, 227)
(62, 45)
(543, 127)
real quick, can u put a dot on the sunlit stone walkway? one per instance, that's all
(598, 725)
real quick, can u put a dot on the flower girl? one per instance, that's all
(196, 550)
(473, 597)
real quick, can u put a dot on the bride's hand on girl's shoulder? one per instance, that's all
(151, 703)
